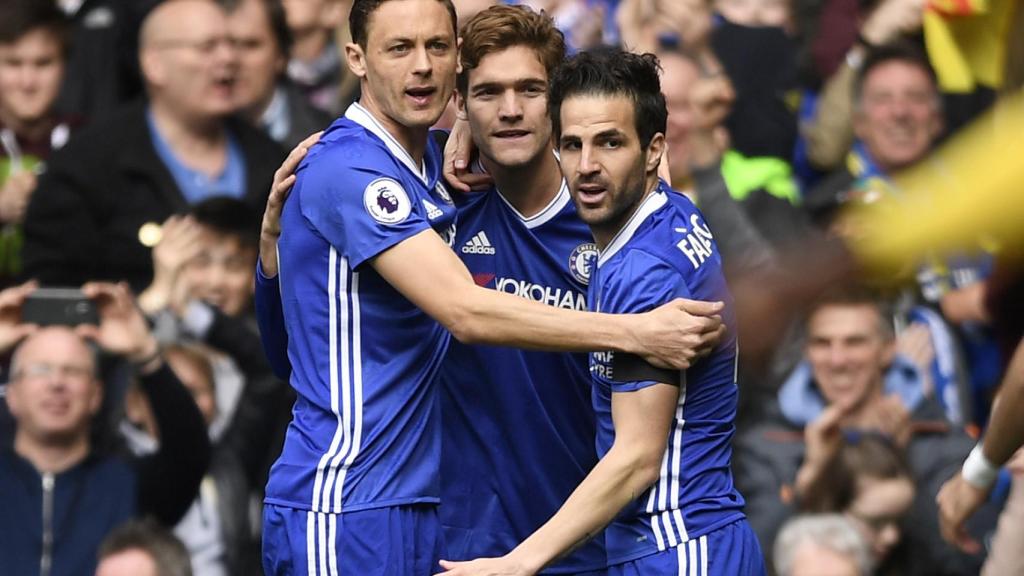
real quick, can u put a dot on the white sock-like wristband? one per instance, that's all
(978, 471)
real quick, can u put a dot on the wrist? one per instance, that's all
(978, 470)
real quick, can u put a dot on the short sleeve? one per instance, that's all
(639, 282)
(355, 198)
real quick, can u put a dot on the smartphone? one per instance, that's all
(58, 306)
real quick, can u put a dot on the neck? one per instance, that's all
(308, 45)
(53, 457)
(31, 130)
(186, 134)
(530, 187)
(412, 138)
(603, 234)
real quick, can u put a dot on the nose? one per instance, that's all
(421, 63)
(511, 110)
(588, 164)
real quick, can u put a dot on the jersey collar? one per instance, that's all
(649, 206)
(360, 115)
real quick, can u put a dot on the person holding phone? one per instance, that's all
(54, 395)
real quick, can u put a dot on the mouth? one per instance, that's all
(512, 134)
(421, 96)
(591, 193)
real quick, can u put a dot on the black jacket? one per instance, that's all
(83, 221)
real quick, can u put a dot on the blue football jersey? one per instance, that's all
(365, 430)
(518, 427)
(666, 251)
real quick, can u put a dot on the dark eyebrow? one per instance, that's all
(610, 133)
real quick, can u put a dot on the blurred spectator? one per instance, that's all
(99, 207)
(33, 50)
(263, 93)
(142, 549)
(867, 480)
(202, 293)
(61, 496)
(821, 545)
(898, 120)
(102, 71)
(757, 13)
(840, 48)
(853, 379)
(317, 67)
(644, 25)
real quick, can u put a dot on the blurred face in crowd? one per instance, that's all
(679, 74)
(260, 60)
(188, 59)
(878, 509)
(54, 392)
(603, 162)
(31, 69)
(898, 116)
(408, 65)
(690, 19)
(222, 274)
(506, 105)
(848, 350)
(133, 562)
(809, 559)
(305, 16)
(197, 378)
(773, 13)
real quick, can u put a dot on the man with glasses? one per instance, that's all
(61, 494)
(100, 206)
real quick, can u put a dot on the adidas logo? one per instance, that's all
(478, 244)
(433, 212)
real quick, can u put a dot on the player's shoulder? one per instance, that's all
(347, 149)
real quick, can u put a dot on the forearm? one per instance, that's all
(614, 482)
(1006, 428)
(830, 135)
(485, 316)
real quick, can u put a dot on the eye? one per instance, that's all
(570, 145)
(612, 143)
(399, 49)
(438, 46)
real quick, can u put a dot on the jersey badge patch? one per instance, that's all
(386, 201)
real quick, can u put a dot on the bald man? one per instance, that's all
(60, 495)
(100, 206)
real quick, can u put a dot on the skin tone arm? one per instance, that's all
(440, 285)
(642, 421)
(958, 499)
(673, 335)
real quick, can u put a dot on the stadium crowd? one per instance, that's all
(139, 141)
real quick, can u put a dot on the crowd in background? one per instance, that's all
(137, 152)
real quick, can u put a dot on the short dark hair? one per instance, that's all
(863, 454)
(359, 17)
(613, 72)
(167, 552)
(896, 51)
(501, 27)
(275, 15)
(231, 217)
(848, 295)
(19, 17)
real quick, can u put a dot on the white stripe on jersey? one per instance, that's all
(311, 543)
(691, 551)
(656, 528)
(681, 554)
(357, 409)
(666, 521)
(332, 547)
(703, 541)
(318, 481)
(321, 531)
(340, 300)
